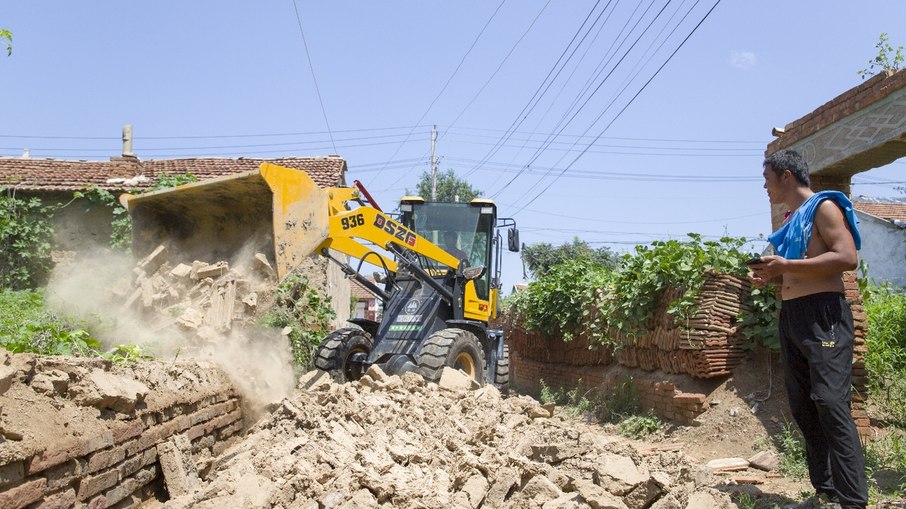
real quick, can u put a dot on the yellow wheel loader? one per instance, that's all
(437, 301)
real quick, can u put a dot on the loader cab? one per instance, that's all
(465, 230)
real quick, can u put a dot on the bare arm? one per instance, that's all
(837, 250)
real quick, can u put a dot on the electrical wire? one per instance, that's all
(449, 79)
(311, 66)
(705, 17)
(563, 124)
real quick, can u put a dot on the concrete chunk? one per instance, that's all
(596, 496)
(181, 271)
(455, 380)
(153, 261)
(212, 271)
(7, 375)
(177, 465)
(765, 460)
(115, 392)
(314, 380)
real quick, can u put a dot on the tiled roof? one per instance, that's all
(890, 209)
(359, 292)
(60, 175)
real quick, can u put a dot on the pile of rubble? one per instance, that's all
(203, 294)
(391, 441)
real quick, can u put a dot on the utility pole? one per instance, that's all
(433, 164)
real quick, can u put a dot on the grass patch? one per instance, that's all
(619, 405)
(792, 452)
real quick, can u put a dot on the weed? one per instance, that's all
(25, 241)
(621, 402)
(638, 426)
(305, 311)
(575, 400)
(127, 354)
(792, 452)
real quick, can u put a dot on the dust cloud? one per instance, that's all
(173, 313)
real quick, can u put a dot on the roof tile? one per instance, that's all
(63, 175)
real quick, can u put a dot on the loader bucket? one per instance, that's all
(273, 210)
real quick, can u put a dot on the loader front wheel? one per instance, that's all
(454, 348)
(336, 351)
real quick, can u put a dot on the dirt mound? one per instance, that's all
(390, 441)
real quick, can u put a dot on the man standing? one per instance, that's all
(816, 244)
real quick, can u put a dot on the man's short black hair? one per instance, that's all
(789, 160)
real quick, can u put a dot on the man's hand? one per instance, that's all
(768, 271)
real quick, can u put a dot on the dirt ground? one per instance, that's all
(396, 442)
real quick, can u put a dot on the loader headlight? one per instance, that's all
(473, 272)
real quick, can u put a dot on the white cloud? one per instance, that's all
(743, 59)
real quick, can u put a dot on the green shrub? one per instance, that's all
(885, 359)
(561, 302)
(25, 241)
(642, 278)
(561, 299)
(27, 326)
(306, 312)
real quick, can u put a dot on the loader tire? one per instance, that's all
(502, 378)
(454, 348)
(335, 351)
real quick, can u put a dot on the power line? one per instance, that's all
(455, 71)
(705, 17)
(626, 82)
(564, 123)
(311, 66)
(520, 117)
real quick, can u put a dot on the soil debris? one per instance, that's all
(399, 442)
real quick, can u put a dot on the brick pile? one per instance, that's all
(205, 294)
(395, 441)
(709, 345)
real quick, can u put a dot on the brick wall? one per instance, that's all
(663, 394)
(114, 463)
(675, 396)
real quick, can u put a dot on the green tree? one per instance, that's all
(450, 188)
(541, 257)
(886, 60)
(8, 36)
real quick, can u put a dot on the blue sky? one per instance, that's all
(663, 146)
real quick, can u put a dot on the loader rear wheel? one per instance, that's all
(502, 378)
(335, 352)
(454, 348)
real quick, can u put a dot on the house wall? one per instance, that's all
(337, 287)
(883, 249)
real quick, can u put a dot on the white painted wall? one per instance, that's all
(883, 249)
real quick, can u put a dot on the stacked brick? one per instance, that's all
(115, 461)
(709, 345)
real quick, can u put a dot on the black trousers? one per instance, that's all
(816, 337)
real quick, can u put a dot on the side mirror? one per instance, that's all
(512, 239)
